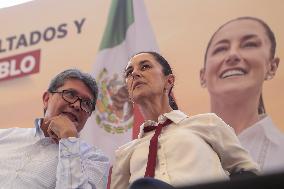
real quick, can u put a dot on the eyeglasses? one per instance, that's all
(71, 97)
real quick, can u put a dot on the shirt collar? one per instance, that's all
(38, 131)
(175, 116)
(266, 127)
(270, 130)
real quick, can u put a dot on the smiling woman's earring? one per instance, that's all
(203, 84)
(268, 77)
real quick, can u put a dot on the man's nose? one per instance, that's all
(77, 104)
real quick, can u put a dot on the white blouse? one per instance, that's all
(189, 152)
(265, 143)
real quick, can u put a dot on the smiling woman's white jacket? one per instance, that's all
(191, 150)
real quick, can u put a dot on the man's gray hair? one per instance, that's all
(86, 78)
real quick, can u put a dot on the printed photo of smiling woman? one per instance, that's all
(239, 58)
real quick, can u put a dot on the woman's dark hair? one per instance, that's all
(271, 37)
(167, 70)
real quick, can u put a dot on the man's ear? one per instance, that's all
(45, 99)
(202, 78)
(272, 68)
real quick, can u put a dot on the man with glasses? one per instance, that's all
(51, 155)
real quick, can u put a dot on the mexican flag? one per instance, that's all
(115, 121)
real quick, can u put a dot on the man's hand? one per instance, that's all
(61, 127)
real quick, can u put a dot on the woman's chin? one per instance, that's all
(140, 98)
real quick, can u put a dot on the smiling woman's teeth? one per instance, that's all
(232, 73)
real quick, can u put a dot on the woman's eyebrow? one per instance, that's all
(140, 63)
(249, 36)
(143, 61)
(127, 68)
(221, 42)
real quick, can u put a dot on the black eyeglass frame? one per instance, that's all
(76, 99)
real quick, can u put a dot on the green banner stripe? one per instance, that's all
(120, 17)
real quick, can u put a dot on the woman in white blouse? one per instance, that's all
(240, 57)
(190, 150)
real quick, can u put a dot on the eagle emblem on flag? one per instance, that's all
(114, 110)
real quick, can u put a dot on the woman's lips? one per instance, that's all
(232, 72)
(137, 83)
